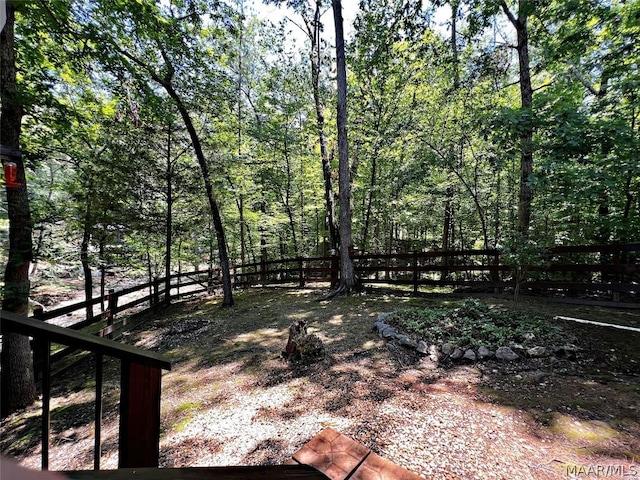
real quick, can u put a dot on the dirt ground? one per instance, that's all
(230, 399)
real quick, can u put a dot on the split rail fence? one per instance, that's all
(596, 274)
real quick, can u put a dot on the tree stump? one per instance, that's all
(302, 347)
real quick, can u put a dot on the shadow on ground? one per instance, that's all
(231, 399)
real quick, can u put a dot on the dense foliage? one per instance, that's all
(436, 127)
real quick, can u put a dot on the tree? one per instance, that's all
(18, 384)
(311, 13)
(519, 21)
(156, 48)
(348, 280)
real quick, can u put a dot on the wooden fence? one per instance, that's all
(122, 311)
(605, 274)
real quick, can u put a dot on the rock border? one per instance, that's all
(453, 352)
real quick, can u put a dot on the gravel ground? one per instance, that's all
(231, 400)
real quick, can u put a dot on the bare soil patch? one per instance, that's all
(230, 399)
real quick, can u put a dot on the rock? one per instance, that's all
(470, 355)
(565, 351)
(380, 326)
(422, 347)
(389, 332)
(383, 317)
(434, 354)
(407, 341)
(537, 352)
(529, 336)
(505, 353)
(456, 354)
(484, 352)
(540, 377)
(447, 348)
(428, 364)
(381, 323)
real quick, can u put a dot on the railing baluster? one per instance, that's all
(98, 414)
(46, 401)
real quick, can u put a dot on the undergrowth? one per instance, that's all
(472, 323)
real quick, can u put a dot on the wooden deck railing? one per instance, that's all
(140, 386)
(120, 304)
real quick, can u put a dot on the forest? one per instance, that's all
(471, 124)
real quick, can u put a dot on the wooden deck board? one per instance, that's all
(328, 455)
(267, 472)
(333, 454)
(341, 458)
(377, 468)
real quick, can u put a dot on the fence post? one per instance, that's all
(38, 313)
(209, 280)
(335, 269)
(112, 306)
(495, 272)
(46, 401)
(156, 291)
(415, 271)
(97, 445)
(139, 415)
(263, 269)
(300, 272)
(615, 295)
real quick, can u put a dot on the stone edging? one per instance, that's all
(453, 352)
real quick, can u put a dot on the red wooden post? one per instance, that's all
(46, 401)
(98, 414)
(139, 415)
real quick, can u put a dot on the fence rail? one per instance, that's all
(605, 270)
(140, 386)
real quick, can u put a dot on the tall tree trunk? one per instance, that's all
(17, 385)
(240, 201)
(166, 83)
(314, 28)
(370, 197)
(526, 136)
(347, 273)
(455, 4)
(287, 199)
(223, 254)
(168, 222)
(84, 253)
